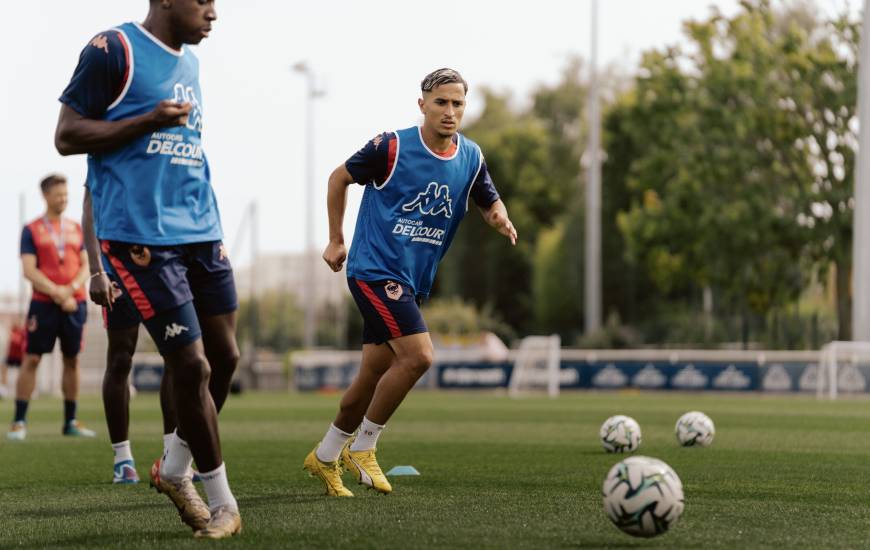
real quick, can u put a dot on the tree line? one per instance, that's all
(727, 197)
(727, 190)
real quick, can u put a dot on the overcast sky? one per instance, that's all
(369, 56)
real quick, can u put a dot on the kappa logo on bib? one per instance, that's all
(434, 201)
(393, 290)
(186, 94)
(140, 255)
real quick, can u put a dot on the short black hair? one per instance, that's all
(50, 181)
(442, 76)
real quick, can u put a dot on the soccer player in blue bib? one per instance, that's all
(418, 185)
(134, 105)
(121, 320)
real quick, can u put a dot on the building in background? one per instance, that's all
(285, 272)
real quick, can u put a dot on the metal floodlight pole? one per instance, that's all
(861, 236)
(254, 320)
(22, 285)
(310, 256)
(592, 279)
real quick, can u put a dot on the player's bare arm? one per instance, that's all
(100, 287)
(336, 201)
(77, 134)
(497, 217)
(71, 304)
(42, 283)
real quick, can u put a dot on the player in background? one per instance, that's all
(418, 183)
(134, 105)
(15, 351)
(55, 263)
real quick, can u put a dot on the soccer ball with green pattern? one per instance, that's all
(695, 429)
(620, 434)
(643, 496)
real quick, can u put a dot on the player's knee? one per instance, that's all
(119, 364)
(231, 359)
(191, 372)
(30, 365)
(419, 362)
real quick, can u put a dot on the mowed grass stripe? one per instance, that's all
(784, 471)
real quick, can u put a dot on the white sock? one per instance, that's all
(176, 460)
(217, 488)
(167, 438)
(366, 436)
(330, 448)
(122, 451)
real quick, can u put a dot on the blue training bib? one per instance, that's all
(406, 224)
(155, 189)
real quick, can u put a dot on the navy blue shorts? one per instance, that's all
(46, 322)
(389, 309)
(170, 286)
(123, 314)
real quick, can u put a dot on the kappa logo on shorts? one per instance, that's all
(393, 290)
(140, 255)
(174, 330)
(32, 324)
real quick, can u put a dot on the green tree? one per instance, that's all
(742, 155)
(481, 266)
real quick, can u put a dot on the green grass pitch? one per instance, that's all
(783, 472)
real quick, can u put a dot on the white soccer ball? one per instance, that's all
(643, 496)
(695, 428)
(620, 434)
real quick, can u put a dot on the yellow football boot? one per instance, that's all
(328, 472)
(225, 522)
(183, 495)
(364, 467)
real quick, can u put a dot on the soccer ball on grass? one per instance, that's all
(620, 434)
(643, 496)
(695, 429)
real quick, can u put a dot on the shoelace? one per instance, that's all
(371, 464)
(336, 469)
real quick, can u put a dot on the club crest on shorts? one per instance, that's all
(140, 255)
(222, 253)
(393, 290)
(31, 323)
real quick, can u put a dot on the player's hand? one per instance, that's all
(69, 305)
(102, 291)
(170, 113)
(503, 225)
(335, 255)
(61, 294)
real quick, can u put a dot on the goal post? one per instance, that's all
(839, 361)
(537, 365)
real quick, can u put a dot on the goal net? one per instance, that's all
(843, 367)
(537, 365)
